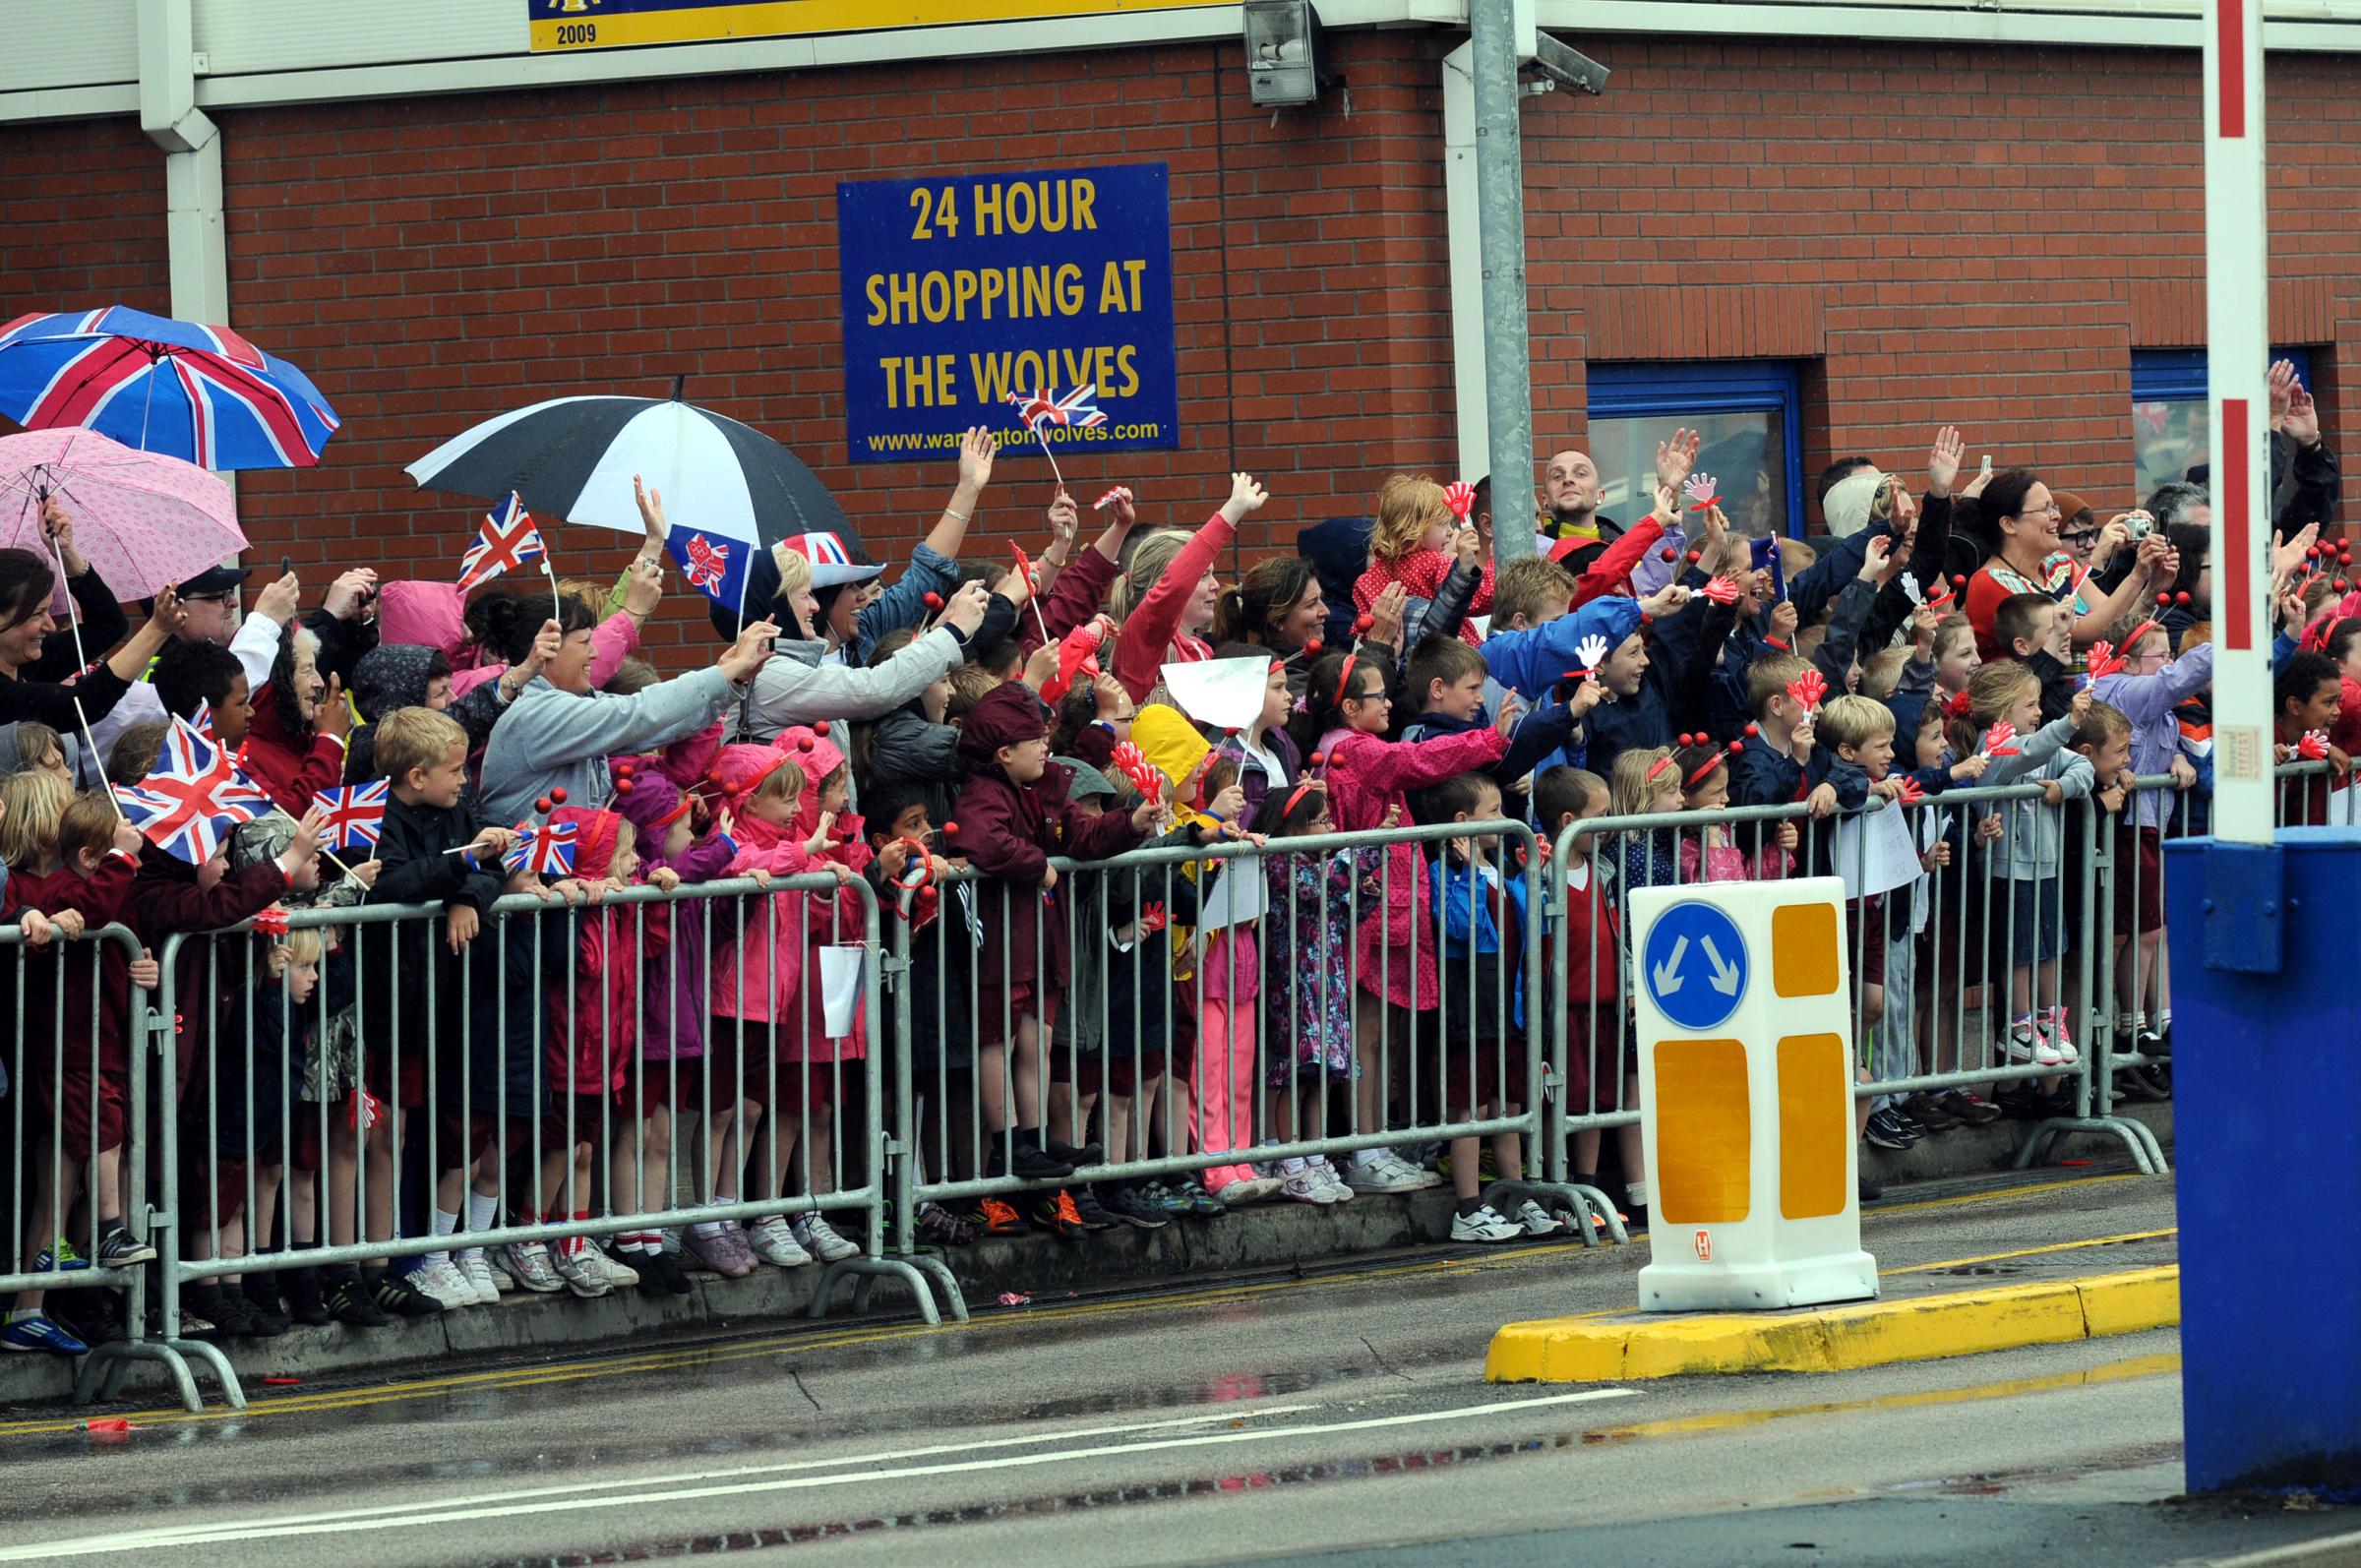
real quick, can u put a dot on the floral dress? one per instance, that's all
(1307, 951)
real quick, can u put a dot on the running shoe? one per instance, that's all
(1487, 1225)
(1535, 1219)
(772, 1240)
(1125, 1204)
(478, 1270)
(818, 1238)
(586, 1278)
(34, 1330)
(527, 1263)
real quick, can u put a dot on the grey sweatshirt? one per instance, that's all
(795, 688)
(2033, 848)
(550, 738)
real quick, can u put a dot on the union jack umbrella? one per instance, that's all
(505, 539)
(353, 816)
(545, 849)
(191, 800)
(202, 393)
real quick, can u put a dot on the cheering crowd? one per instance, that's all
(947, 735)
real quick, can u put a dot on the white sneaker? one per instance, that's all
(1383, 1172)
(1416, 1171)
(2025, 1043)
(820, 1241)
(527, 1263)
(573, 1262)
(2053, 1025)
(478, 1272)
(772, 1240)
(1338, 1189)
(1537, 1220)
(1485, 1225)
(1307, 1185)
(442, 1282)
(1246, 1190)
(620, 1274)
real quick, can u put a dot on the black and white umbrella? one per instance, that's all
(574, 457)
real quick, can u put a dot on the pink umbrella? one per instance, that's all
(143, 519)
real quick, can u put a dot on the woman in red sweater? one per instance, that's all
(1170, 593)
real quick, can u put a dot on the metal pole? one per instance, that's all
(2237, 351)
(1500, 214)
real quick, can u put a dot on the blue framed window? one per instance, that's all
(1746, 412)
(2168, 409)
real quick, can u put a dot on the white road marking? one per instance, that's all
(626, 1493)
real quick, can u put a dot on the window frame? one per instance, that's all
(1668, 388)
(2182, 374)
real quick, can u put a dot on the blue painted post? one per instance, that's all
(2266, 1084)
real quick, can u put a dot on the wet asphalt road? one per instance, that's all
(1336, 1419)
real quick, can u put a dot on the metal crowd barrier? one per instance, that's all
(57, 1076)
(1130, 922)
(394, 1060)
(251, 1090)
(1948, 982)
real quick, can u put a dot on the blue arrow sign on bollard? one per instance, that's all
(1695, 965)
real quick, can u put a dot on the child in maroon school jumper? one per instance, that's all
(1012, 817)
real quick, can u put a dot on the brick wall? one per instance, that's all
(1974, 236)
(1942, 234)
(433, 262)
(81, 218)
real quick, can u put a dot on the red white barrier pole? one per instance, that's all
(2239, 399)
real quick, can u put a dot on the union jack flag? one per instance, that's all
(546, 850)
(507, 538)
(1074, 408)
(193, 799)
(355, 816)
(202, 721)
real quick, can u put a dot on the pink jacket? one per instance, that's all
(763, 978)
(1725, 862)
(1366, 777)
(431, 614)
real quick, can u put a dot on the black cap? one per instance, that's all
(216, 579)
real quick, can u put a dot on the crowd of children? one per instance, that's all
(588, 1060)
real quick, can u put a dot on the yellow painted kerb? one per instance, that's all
(1917, 1328)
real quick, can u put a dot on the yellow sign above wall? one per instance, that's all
(569, 24)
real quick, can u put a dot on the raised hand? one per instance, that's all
(2281, 382)
(1943, 460)
(651, 510)
(1675, 458)
(976, 450)
(280, 599)
(750, 652)
(1246, 495)
(2302, 425)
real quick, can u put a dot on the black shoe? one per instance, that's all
(1094, 1212)
(396, 1296)
(2026, 1104)
(92, 1316)
(1202, 1205)
(1055, 1213)
(1088, 1154)
(660, 1273)
(1888, 1130)
(1970, 1108)
(226, 1306)
(305, 1302)
(1635, 1218)
(1929, 1113)
(1039, 1164)
(1126, 1205)
(1870, 1191)
(262, 1305)
(118, 1249)
(350, 1301)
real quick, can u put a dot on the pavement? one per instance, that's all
(1333, 1414)
(1268, 1235)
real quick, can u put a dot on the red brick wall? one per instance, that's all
(1978, 236)
(435, 262)
(81, 218)
(1974, 236)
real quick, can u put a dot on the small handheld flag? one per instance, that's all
(505, 539)
(195, 795)
(1763, 555)
(1040, 410)
(202, 721)
(546, 849)
(353, 816)
(715, 565)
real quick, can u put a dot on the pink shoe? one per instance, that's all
(722, 1250)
